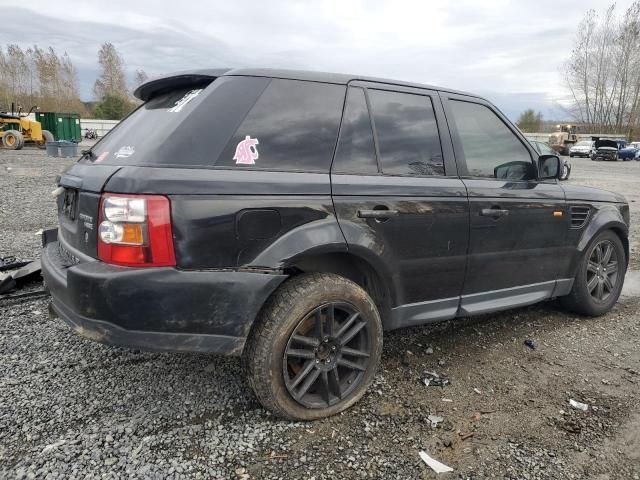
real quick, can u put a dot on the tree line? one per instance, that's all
(603, 71)
(41, 77)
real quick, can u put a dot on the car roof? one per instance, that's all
(187, 78)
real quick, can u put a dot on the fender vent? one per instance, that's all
(579, 215)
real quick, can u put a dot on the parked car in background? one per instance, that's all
(584, 148)
(630, 152)
(545, 149)
(290, 217)
(606, 149)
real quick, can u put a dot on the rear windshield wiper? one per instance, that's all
(87, 154)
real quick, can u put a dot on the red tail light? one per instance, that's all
(135, 230)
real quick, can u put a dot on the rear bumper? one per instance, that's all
(162, 309)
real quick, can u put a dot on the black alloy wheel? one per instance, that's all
(326, 355)
(315, 347)
(602, 271)
(599, 277)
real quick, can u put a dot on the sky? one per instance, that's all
(511, 52)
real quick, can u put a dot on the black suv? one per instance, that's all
(291, 217)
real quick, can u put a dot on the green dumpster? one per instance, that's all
(63, 126)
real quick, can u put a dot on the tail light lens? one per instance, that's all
(135, 231)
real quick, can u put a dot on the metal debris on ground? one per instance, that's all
(530, 343)
(7, 283)
(10, 263)
(435, 465)
(578, 405)
(435, 420)
(433, 379)
(25, 271)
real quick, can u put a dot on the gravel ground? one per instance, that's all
(71, 408)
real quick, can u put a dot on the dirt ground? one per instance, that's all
(72, 408)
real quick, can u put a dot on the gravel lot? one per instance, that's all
(71, 408)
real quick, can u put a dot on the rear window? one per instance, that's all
(184, 127)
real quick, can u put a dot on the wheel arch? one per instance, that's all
(605, 219)
(373, 278)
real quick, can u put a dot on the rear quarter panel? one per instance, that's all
(240, 218)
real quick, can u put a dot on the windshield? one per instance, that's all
(583, 144)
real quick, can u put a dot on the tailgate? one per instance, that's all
(78, 206)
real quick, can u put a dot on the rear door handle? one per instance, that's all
(377, 213)
(494, 212)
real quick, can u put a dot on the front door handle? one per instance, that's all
(377, 213)
(494, 212)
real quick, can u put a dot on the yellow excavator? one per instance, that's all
(17, 129)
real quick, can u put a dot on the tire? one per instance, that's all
(13, 140)
(276, 370)
(47, 136)
(570, 155)
(582, 299)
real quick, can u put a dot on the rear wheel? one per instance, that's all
(47, 136)
(600, 276)
(13, 140)
(315, 347)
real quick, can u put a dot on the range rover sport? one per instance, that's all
(292, 217)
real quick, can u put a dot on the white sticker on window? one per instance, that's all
(125, 151)
(246, 151)
(179, 105)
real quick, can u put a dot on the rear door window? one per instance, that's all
(356, 151)
(293, 126)
(407, 131)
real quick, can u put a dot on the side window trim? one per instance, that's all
(458, 151)
(372, 122)
(348, 90)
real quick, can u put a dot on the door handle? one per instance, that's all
(494, 212)
(377, 213)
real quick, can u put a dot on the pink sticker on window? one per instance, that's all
(246, 151)
(102, 156)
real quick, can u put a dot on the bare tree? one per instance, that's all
(603, 70)
(37, 76)
(140, 77)
(112, 79)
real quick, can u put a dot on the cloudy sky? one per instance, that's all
(509, 51)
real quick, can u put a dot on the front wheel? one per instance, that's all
(47, 136)
(315, 347)
(600, 276)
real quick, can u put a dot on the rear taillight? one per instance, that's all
(135, 230)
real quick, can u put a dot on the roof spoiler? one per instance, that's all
(175, 80)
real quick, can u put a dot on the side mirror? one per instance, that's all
(548, 167)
